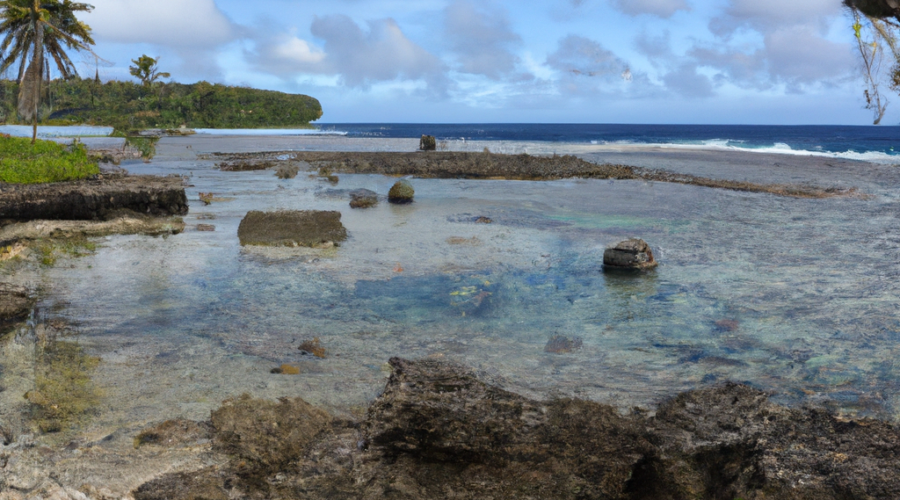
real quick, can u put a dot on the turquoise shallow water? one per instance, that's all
(795, 296)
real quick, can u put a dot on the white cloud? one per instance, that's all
(661, 8)
(382, 53)
(173, 23)
(481, 39)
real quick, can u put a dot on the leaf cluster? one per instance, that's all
(61, 29)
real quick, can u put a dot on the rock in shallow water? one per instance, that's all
(633, 253)
(363, 198)
(401, 193)
(15, 304)
(308, 228)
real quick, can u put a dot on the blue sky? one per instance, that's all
(592, 61)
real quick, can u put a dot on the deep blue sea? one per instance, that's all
(852, 142)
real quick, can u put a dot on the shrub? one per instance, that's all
(44, 161)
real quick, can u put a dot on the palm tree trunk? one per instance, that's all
(30, 89)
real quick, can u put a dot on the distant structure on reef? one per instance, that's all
(132, 105)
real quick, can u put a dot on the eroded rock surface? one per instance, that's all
(15, 303)
(93, 199)
(308, 228)
(440, 432)
(633, 254)
(363, 198)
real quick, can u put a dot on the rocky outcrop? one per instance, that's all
(96, 199)
(631, 254)
(401, 193)
(15, 304)
(363, 198)
(427, 143)
(438, 431)
(308, 228)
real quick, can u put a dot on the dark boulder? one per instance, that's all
(401, 193)
(93, 199)
(629, 254)
(427, 143)
(309, 228)
(15, 304)
(363, 198)
(439, 431)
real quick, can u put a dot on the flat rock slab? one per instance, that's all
(93, 199)
(307, 228)
(41, 229)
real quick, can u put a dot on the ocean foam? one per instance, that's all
(777, 148)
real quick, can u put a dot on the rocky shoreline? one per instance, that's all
(438, 431)
(487, 165)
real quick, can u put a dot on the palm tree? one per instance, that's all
(31, 28)
(146, 69)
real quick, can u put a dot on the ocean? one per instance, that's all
(877, 144)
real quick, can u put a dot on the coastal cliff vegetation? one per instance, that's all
(130, 106)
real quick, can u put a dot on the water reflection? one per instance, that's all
(794, 296)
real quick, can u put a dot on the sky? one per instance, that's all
(496, 61)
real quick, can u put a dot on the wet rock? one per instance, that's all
(245, 165)
(484, 220)
(61, 229)
(93, 199)
(266, 435)
(178, 432)
(206, 484)
(427, 143)
(442, 430)
(744, 446)
(438, 431)
(633, 253)
(562, 345)
(313, 347)
(206, 227)
(309, 228)
(402, 192)
(363, 198)
(15, 304)
(287, 171)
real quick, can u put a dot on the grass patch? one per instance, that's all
(49, 250)
(44, 161)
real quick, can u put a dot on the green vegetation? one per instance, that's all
(877, 31)
(49, 250)
(44, 161)
(130, 106)
(36, 31)
(145, 69)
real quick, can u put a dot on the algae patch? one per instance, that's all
(64, 392)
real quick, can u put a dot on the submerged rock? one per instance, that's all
(15, 304)
(633, 253)
(363, 198)
(308, 228)
(402, 192)
(287, 171)
(427, 143)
